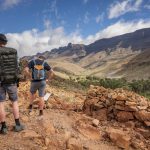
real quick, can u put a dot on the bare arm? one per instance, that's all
(50, 74)
(27, 73)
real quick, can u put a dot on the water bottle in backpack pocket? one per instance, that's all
(38, 72)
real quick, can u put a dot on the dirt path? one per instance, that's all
(52, 132)
(63, 127)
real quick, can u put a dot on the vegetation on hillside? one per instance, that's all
(141, 87)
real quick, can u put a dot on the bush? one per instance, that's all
(139, 86)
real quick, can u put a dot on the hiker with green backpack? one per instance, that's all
(39, 67)
(8, 84)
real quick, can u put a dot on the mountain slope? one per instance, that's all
(104, 58)
(138, 40)
(138, 67)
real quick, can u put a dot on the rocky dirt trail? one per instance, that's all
(61, 127)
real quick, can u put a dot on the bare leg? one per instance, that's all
(15, 110)
(19, 127)
(33, 96)
(41, 105)
(2, 112)
(3, 129)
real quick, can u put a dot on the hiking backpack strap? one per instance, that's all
(38, 70)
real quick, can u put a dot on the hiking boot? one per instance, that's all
(19, 128)
(3, 130)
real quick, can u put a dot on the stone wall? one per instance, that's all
(121, 105)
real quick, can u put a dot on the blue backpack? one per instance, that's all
(38, 72)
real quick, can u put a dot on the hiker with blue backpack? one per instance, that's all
(39, 67)
(9, 73)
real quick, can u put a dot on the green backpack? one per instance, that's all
(8, 65)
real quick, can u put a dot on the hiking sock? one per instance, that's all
(17, 122)
(41, 113)
(3, 125)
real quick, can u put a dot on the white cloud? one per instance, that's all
(118, 28)
(9, 3)
(32, 41)
(120, 8)
(47, 23)
(99, 18)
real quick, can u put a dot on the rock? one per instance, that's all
(136, 144)
(35, 106)
(142, 115)
(30, 134)
(48, 127)
(130, 124)
(67, 135)
(46, 141)
(74, 144)
(121, 97)
(130, 103)
(143, 102)
(95, 122)
(87, 130)
(109, 102)
(142, 107)
(119, 137)
(147, 123)
(120, 102)
(97, 107)
(100, 114)
(24, 118)
(144, 132)
(112, 95)
(131, 108)
(119, 107)
(32, 113)
(123, 116)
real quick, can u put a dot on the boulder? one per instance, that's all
(48, 127)
(46, 141)
(87, 130)
(144, 132)
(130, 124)
(123, 116)
(142, 115)
(74, 144)
(30, 134)
(147, 123)
(100, 114)
(121, 97)
(95, 122)
(119, 137)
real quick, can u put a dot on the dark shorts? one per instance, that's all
(38, 86)
(11, 90)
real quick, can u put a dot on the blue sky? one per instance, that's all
(38, 25)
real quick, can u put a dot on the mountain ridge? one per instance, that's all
(106, 57)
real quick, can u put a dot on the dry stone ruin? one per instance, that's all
(121, 105)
